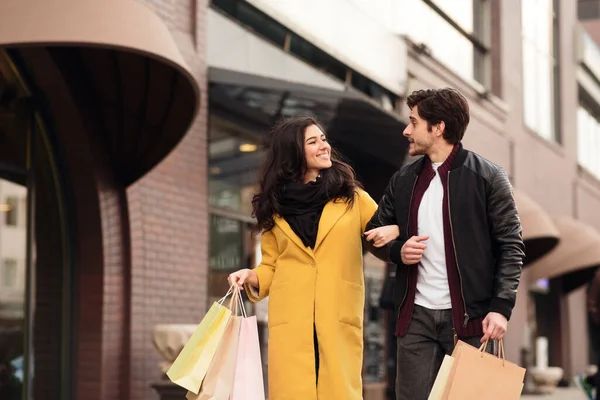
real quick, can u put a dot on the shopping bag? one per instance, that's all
(437, 392)
(248, 383)
(190, 366)
(477, 375)
(218, 382)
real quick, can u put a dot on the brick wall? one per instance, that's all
(168, 217)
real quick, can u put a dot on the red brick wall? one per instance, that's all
(168, 217)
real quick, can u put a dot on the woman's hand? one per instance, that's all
(242, 276)
(383, 235)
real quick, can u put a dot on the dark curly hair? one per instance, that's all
(285, 162)
(437, 105)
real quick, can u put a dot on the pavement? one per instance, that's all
(570, 393)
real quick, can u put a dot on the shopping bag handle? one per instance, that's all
(240, 304)
(229, 292)
(236, 304)
(500, 355)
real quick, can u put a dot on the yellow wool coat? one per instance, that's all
(323, 288)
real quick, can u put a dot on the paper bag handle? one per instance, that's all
(235, 303)
(229, 292)
(500, 354)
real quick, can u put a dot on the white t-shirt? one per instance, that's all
(433, 291)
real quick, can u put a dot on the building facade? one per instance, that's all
(131, 133)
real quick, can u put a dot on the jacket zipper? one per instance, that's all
(456, 258)
(412, 193)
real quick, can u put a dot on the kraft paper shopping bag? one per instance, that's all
(477, 375)
(218, 383)
(248, 383)
(191, 365)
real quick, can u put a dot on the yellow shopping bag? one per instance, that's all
(189, 369)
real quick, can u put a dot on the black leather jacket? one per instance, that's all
(486, 231)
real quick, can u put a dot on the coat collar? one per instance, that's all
(332, 212)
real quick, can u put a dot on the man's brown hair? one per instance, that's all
(437, 105)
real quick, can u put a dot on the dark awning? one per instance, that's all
(540, 234)
(369, 136)
(122, 68)
(575, 258)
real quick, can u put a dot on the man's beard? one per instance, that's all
(418, 149)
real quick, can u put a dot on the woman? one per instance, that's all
(312, 214)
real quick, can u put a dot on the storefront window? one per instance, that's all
(234, 157)
(35, 314)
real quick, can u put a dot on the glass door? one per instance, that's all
(36, 296)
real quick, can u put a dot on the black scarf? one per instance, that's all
(301, 205)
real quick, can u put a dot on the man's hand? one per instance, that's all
(494, 326)
(382, 235)
(413, 249)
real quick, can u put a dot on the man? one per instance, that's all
(460, 251)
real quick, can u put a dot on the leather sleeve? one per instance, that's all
(386, 215)
(506, 233)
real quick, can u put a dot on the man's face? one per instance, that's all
(420, 139)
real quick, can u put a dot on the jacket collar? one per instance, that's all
(332, 212)
(455, 160)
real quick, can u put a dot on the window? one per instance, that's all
(269, 29)
(9, 273)
(588, 141)
(539, 29)
(454, 31)
(12, 210)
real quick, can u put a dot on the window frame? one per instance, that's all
(480, 38)
(554, 84)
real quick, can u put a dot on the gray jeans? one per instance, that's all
(422, 349)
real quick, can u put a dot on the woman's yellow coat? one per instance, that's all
(323, 287)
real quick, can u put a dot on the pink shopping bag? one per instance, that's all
(248, 383)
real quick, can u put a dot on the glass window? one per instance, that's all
(317, 57)
(9, 273)
(11, 208)
(462, 50)
(461, 11)
(539, 67)
(588, 141)
(234, 160)
(225, 244)
(254, 19)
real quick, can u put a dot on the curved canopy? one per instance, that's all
(540, 234)
(574, 259)
(120, 63)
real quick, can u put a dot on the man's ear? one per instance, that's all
(439, 128)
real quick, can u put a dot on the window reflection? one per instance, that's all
(234, 161)
(12, 291)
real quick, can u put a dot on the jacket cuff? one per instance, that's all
(252, 292)
(501, 306)
(395, 249)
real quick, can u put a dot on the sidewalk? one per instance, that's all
(570, 393)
